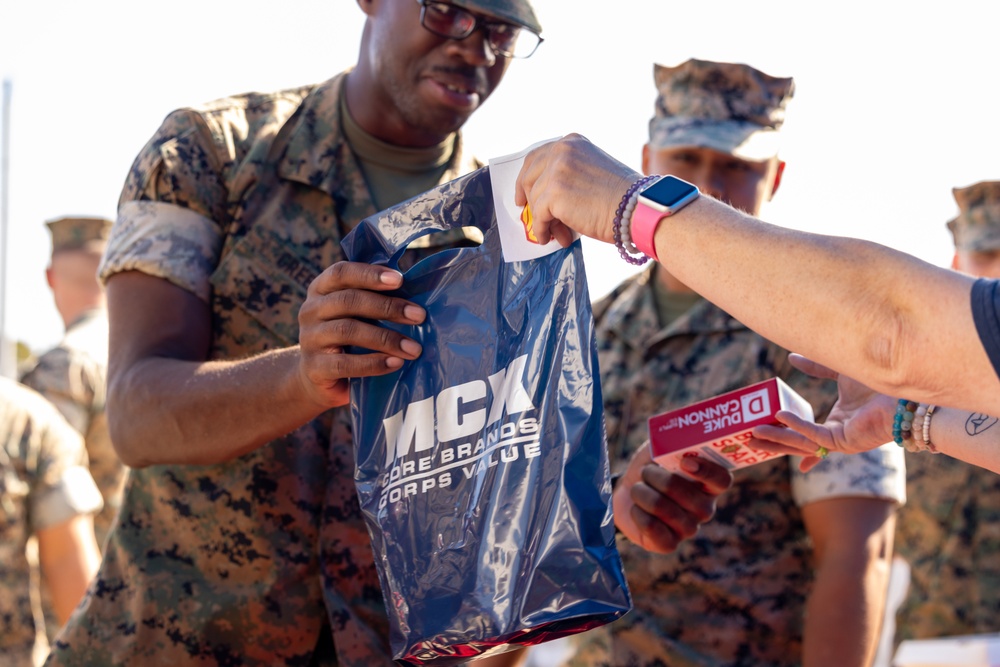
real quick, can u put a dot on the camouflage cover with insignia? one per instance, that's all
(977, 225)
(729, 107)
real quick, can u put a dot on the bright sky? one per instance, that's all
(895, 104)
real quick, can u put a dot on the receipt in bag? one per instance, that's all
(515, 223)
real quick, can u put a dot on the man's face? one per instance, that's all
(72, 275)
(742, 184)
(983, 264)
(425, 86)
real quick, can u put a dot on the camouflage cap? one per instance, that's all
(79, 233)
(513, 11)
(977, 226)
(729, 107)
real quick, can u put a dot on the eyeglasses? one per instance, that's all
(505, 39)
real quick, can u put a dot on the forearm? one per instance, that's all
(165, 410)
(897, 324)
(890, 320)
(852, 548)
(969, 436)
(844, 614)
(68, 558)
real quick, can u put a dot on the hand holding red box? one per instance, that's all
(719, 428)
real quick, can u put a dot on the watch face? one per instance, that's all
(668, 194)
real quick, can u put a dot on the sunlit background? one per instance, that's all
(895, 105)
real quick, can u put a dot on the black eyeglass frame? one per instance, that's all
(479, 22)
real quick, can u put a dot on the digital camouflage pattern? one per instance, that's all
(735, 593)
(977, 226)
(76, 233)
(43, 482)
(242, 202)
(949, 533)
(73, 377)
(730, 107)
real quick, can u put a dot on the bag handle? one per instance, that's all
(464, 202)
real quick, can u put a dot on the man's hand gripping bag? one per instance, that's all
(482, 466)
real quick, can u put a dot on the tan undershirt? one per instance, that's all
(395, 174)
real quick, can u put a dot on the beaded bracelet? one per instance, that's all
(928, 445)
(620, 225)
(902, 422)
(911, 426)
(626, 226)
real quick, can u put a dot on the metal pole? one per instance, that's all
(6, 364)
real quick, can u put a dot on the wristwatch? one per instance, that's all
(664, 197)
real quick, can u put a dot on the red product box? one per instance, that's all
(718, 428)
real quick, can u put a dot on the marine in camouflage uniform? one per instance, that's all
(73, 374)
(949, 533)
(737, 592)
(264, 559)
(43, 482)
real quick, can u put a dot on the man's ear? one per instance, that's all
(49, 276)
(954, 262)
(778, 173)
(645, 159)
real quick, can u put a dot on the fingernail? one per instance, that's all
(690, 464)
(391, 278)
(413, 313)
(411, 347)
(393, 362)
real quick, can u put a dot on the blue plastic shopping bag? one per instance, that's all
(482, 466)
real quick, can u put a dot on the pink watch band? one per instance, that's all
(644, 223)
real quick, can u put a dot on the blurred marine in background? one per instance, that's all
(73, 374)
(47, 502)
(949, 532)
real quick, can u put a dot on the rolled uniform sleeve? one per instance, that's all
(172, 210)
(879, 473)
(63, 487)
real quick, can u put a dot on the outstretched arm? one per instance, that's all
(862, 419)
(902, 326)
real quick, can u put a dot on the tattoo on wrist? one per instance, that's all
(978, 422)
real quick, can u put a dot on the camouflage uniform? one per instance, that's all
(977, 225)
(43, 482)
(949, 534)
(73, 377)
(735, 594)
(242, 202)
